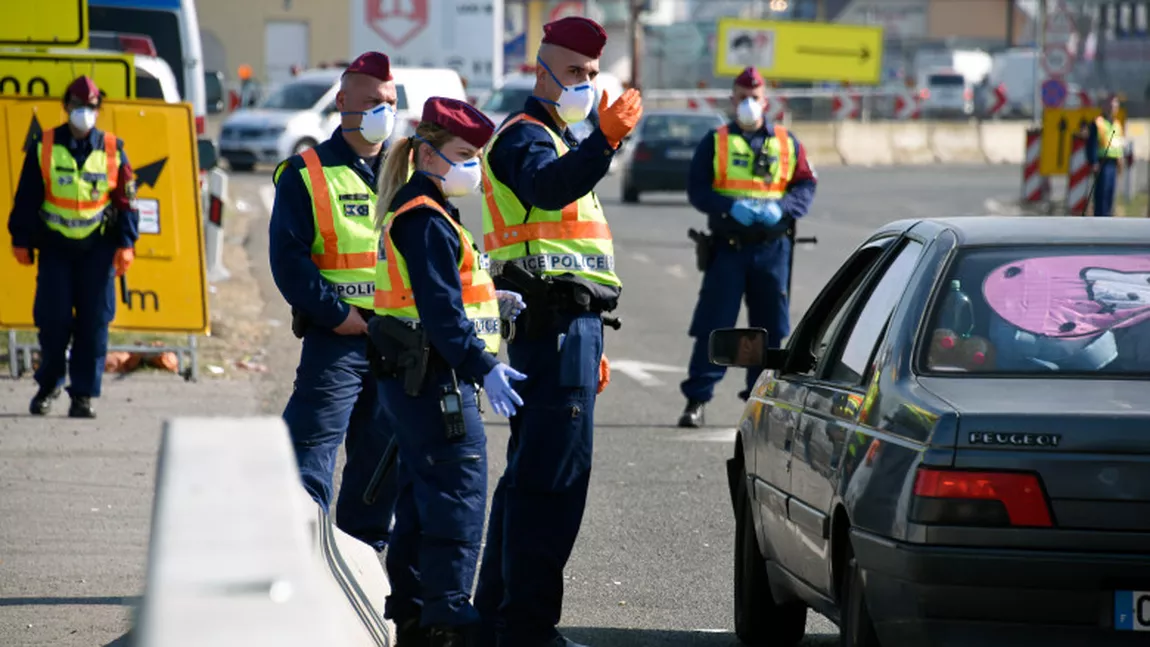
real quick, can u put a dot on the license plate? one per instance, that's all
(1132, 610)
(680, 153)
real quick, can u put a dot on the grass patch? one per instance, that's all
(1136, 208)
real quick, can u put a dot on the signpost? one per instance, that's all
(37, 74)
(795, 51)
(45, 23)
(1057, 60)
(1058, 126)
(1053, 93)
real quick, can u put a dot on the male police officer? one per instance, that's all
(74, 204)
(1105, 147)
(540, 212)
(752, 179)
(323, 253)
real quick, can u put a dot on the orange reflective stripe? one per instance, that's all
(47, 141)
(784, 159)
(330, 258)
(400, 296)
(46, 144)
(563, 230)
(112, 166)
(724, 156)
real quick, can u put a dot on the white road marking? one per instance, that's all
(677, 271)
(642, 258)
(242, 205)
(641, 371)
(709, 436)
(268, 197)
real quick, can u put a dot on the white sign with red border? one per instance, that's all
(1057, 60)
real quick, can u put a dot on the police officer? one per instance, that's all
(432, 274)
(74, 203)
(752, 179)
(322, 251)
(1105, 148)
(541, 213)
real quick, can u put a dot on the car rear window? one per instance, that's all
(946, 80)
(148, 86)
(163, 27)
(300, 95)
(1042, 311)
(685, 128)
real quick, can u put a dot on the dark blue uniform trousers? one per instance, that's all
(335, 398)
(1105, 186)
(758, 271)
(80, 281)
(434, 550)
(538, 505)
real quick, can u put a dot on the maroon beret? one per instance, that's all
(84, 89)
(372, 64)
(460, 119)
(578, 34)
(750, 78)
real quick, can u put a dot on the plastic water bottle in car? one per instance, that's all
(957, 311)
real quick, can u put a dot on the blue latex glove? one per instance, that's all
(769, 213)
(510, 304)
(743, 211)
(502, 397)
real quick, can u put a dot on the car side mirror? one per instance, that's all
(208, 154)
(744, 347)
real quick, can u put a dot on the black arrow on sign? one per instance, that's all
(861, 53)
(150, 173)
(35, 133)
(1062, 141)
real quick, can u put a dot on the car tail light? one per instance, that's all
(200, 125)
(135, 44)
(968, 94)
(642, 153)
(961, 498)
(924, 94)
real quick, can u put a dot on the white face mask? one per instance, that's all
(377, 124)
(84, 119)
(749, 112)
(575, 103)
(461, 179)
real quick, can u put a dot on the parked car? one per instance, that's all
(658, 156)
(952, 449)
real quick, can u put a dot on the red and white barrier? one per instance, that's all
(1000, 98)
(213, 198)
(1035, 187)
(776, 111)
(907, 105)
(846, 105)
(1079, 99)
(706, 103)
(1078, 179)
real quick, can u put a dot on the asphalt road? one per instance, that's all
(653, 564)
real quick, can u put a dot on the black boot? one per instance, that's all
(81, 407)
(42, 402)
(410, 634)
(692, 415)
(449, 637)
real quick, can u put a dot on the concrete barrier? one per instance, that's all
(957, 143)
(1139, 133)
(910, 143)
(240, 555)
(864, 144)
(1003, 143)
(819, 142)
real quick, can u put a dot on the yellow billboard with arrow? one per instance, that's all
(796, 51)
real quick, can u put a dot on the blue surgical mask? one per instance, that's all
(575, 103)
(462, 178)
(376, 124)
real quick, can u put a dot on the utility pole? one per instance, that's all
(636, 35)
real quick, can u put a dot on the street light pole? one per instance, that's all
(636, 7)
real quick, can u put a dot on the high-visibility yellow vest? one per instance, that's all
(735, 163)
(1111, 143)
(393, 295)
(575, 239)
(344, 247)
(75, 196)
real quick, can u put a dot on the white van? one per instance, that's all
(297, 115)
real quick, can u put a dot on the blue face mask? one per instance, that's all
(575, 103)
(376, 124)
(462, 178)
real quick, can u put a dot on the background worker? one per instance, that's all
(1105, 148)
(752, 179)
(322, 251)
(431, 272)
(541, 213)
(74, 203)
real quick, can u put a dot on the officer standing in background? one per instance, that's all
(752, 179)
(1105, 150)
(323, 242)
(540, 212)
(432, 274)
(75, 204)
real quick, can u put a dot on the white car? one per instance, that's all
(301, 113)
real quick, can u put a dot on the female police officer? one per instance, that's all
(432, 278)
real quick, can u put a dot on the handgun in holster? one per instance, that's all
(547, 296)
(299, 323)
(704, 248)
(401, 348)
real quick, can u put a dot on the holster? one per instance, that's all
(299, 323)
(704, 248)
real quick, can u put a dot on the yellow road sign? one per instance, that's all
(796, 51)
(40, 74)
(166, 287)
(1059, 125)
(45, 23)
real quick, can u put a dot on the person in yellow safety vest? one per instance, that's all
(432, 276)
(75, 203)
(540, 213)
(322, 244)
(1105, 148)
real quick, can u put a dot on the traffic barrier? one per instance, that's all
(1003, 143)
(214, 200)
(819, 142)
(1035, 187)
(864, 144)
(957, 143)
(910, 143)
(907, 105)
(846, 105)
(1078, 179)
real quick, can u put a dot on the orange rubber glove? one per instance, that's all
(604, 373)
(23, 255)
(123, 259)
(618, 120)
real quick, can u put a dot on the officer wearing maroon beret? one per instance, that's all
(75, 204)
(322, 244)
(540, 212)
(753, 180)
(432, 275)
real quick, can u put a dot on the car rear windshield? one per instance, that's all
(947, 80)
(162, 26)
(1043, 310)
(300, 95)
(680, 127)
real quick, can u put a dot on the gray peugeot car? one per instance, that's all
(954, 447)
